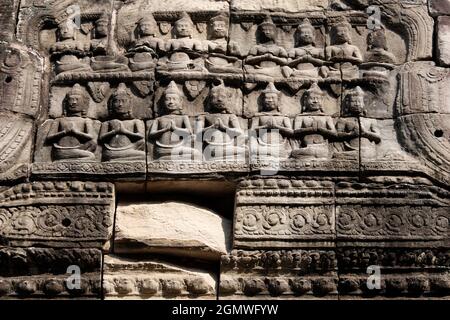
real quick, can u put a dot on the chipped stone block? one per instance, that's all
(443, 41)
(156, 280)
(171, 228)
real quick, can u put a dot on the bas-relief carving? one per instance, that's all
(155, 280)
(79, 214)
(175, 88)
(123, 136)
(20, 79)
(172, 133)
(41, 273)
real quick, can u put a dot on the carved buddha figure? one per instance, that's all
(221, 129)
(271, 129)
(73, 136)
(146, 46)
(223, 53)
(183, 47)
(313, 128)
(358, 133)
(104, 59)
(306, 57)
(342, 52)
(219, 33)
(378, 60)
(172, 132)
(122, 137)
(71, 52)
(266, 57)
(377, 50)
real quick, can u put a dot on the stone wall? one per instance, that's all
(268, 149)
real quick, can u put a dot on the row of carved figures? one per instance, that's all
(271, 134)
(218, 53)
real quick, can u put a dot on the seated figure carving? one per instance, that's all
(360, 134)
(172, 132)
(104, 60)
(313, 128)
(222, 53)
(378, 49)
(305, 58)
(221, 129)
(71, 53)
(342, 53)
(123, 136)
(184, 51)
(73, 136)
(147, 46)
(378, 60)
(266, 57)
(270, 129)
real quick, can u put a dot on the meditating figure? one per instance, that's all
(104, 59)
(270, 130)
(377, 49)
(184, 50)
(73, 136)
(172, 132)
(221, 130)
(266, 57)
(222, 53)
(70, 54)
(123, 136)
(313, 128)
(306, 58)
(147, 46)
(378, 60)
(360, 134)
(342, 53)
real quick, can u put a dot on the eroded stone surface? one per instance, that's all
(439, 7)
(156, 280)
(327, 125)
(171, 228)
(443, 39)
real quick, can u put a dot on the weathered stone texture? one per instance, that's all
(8, 13)
(172, 228)
(290, 144)
(439, 7)
(443, 40)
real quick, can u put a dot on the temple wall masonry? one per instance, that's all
(229, 149)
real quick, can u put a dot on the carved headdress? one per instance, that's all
(147, 19)
(172, 88)
(271, 89)
(185, 18)
(76, 90)
(268, 22)
(305, 24)
(218, 87)
(103, 19)
(121, 91)
(220, 17)
(356, 92)
(342, 22)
